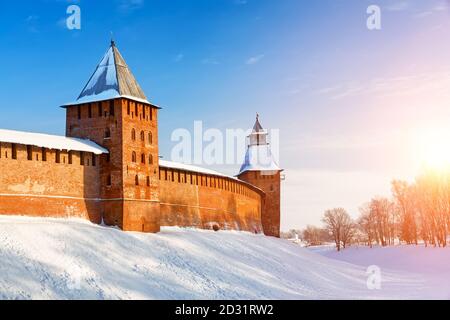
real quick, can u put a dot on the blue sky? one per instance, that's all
(349, 102)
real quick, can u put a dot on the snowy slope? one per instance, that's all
(72, 259)
(430, 264)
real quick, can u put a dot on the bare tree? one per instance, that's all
(433, 203)
(383, 213)
(404, 200)
(290, 234)
(348, 230)
(366, 224)
(314, 236)
(340, 225)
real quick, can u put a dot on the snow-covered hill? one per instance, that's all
(72, 259)
(430, 264)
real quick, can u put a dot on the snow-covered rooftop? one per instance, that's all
(191, 168)
(259, 158)
(50, 141)
(111, 79)
(188, 167)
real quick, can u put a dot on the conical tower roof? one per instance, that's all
(111, 79)
(257, 127)
(259, 156)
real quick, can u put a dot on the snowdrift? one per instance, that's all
(73, 259)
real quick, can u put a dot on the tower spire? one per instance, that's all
(257, 127)
(111, 79)
(113, 43)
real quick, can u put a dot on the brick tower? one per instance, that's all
(261, 170)
(113, 111)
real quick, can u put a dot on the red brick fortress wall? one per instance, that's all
(190, 199)
(127, 187)
(270, 183)
(45, 188)
(57, 188)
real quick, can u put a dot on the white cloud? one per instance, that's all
(437, 8)
(423, 14)
(62, 23)
(32, 22)
(129, 5)
(210, 61)
(255, 59)
(179, 57)
(430, 8)
(444, 5)
(407, 85)
(398, 6)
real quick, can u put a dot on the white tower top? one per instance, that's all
(258, 156)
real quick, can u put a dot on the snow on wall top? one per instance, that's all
(111, 79)
(191, 168)
(259, 158)
(50, 141)
(188, 167)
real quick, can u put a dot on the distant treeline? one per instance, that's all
(416, 212)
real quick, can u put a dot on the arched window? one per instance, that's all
(150, 159)
(142, 136)
(150, 138)
(133, 157)
(107, 133)
(143, 158)
(136, 180)
(108, 180)
(133, 135)
(148, 181)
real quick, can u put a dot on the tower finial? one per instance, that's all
(257, 116)
(113, 43)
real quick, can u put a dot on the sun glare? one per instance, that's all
(435, 150)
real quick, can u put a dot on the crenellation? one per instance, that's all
(126, 184)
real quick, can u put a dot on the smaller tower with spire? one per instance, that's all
(261, 170)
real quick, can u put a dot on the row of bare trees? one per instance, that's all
(416, 212)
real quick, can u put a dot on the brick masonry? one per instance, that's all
(127, 188)
(269, 182)
(205, 201)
